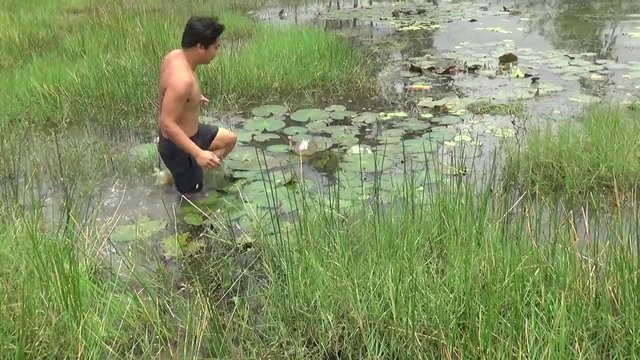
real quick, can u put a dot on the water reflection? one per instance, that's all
(579, 26)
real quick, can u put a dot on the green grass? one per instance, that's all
(460, 274)
(74, 61)
(489, 108)
(598, 153)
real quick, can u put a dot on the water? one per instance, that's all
(581, 51)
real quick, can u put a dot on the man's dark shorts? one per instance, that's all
(187, 174)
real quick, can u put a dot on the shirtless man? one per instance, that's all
(187, 146)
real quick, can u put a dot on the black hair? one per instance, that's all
(203, 30)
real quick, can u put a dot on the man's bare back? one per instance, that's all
(187, 146)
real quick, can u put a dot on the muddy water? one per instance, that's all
(581, 51)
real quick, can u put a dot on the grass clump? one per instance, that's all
(287, 62)
(459, 274)
(486, 107)
(72, 61)
(598, 153)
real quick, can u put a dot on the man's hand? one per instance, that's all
(207, 160)
(203, 100)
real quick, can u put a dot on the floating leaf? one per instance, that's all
(265, 137)
(264, 124)
(340, 115)
(366, 162)
(317, 126)
(278, 148)
(293, 130)
(336, 108)
(366, 117)
(268, 110)
(446, 120)
(140, 230)
(414, 125)
(439, 134)
(305, 115)
(397, 114)
(244, 136)
(193, 219)
(175, 246)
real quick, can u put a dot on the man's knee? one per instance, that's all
(225, 139)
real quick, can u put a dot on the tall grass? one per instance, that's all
(73, 61)
(598, 153)
(456, 274)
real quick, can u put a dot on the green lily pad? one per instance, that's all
(306, 115)
(420, 146)
(142, 229)
(366, 117)
(265, 137)
(245, 158)
(193, 219)
(181, 245)
(293, 130)
(414, 125)
(439, 134)
(264, 124)
(446, 120)
(365, 162)
(393, 115)
(275, 177)
(336, 108)
(268, 110)
(245, 136)
(323, 143)
(341, 115)
(279, 148)
(344, 138)
(317, 126)
(265, 195)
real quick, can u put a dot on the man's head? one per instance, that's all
(201, 35)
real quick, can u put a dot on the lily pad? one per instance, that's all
(293, 130)
(175, 246)
(264, 124)
(446, 120)
(393, 115)
(365, 162)
(439, 134)
(264, 194)
(366, 117)
(265, 137)
(268, 110)
(140, 230)
(245, 136)
(278, 148)
(336, 108)
(306, 115)
(341, 115)
(245, 158)
(193, 219)
(414, 125)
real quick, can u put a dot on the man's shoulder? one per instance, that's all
(179, 80)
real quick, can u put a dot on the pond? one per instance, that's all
(457, 78)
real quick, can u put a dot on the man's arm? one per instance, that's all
(175, 97)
